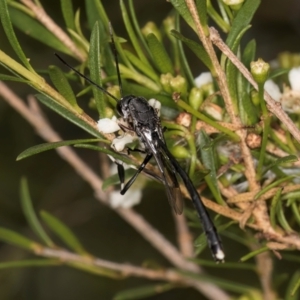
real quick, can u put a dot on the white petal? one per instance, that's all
(119, 143)
(294, 78)
(155, 104)
(272, 88)
(131, 198)
(203, 78)
(107, 125)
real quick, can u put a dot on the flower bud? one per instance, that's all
(180, 152)
(255, 97)
(151, 27)
(115, 91)
(179, 85)
(165, 82)
(109, 113)
(253, 140)
(234, 4)
(169, 24)
(260, 70)
(196, 98)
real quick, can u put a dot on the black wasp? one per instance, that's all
(143, 119)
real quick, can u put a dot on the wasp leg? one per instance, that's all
(139, 170)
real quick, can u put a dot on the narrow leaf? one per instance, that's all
(196, 48)
(95, 69)
(10, 34)
(30, 214)
(95, 270)
(30, 263)
(13, 78)
(273, 209)
(49, 146)
(62, 85)
(68, 13)
(106, 151)
(208, 159)
(232, 286)
(183, 10)
(34, 29)
(292, 291)
(132, 35)
(52, 104)
(242, 20)
(16, 239)
(143, 291)
(281, 161)
(63, 232)
(254, 253)
(159, 54)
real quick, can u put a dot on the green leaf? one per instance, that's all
(63, 232)
(159, 54)
(254, 253)
(16, 239)
(274, 184)
(232, 286)
(10, 34)
(225, 265)
(70, 116)
(132, 36)
(30, 214)
(208, 159)
(141, 66)
(95, 270)
(30, 263)
(62, 85)
(143, 291)
(292, 291)
(95, 12)
(34, 29)
(242, 20)
(183, 10)
(202, 13)
(196, 48)
(13, 78)
(49, 146)
(274, 206)
(281, 161)
(68, 13)
(106, 151)
(95, 69)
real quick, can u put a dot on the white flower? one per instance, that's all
(155, 104)
(294, 78)
(203, 78)
(272, 88)
(131, 198)
(107, 125)
(119, 143)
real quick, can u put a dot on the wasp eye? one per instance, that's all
(119, 109)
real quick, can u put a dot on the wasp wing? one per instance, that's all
(166, 168)
(172, 186)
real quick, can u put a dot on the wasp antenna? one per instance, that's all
(116, 58)
(86, 78)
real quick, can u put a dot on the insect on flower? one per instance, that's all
(143, 119)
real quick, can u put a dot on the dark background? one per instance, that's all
(55, 187)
